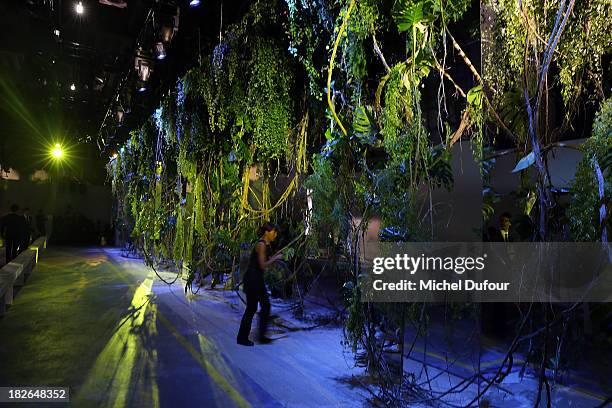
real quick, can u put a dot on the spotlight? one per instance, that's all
(166, 33)
(141, 86)
(56, 32)
(142, 65)
(72, 87)
(98, 83)
(57, 152)
(160, 50)
(119, 115)
(144, 72)
(194, 3)
(79, 8)
(169, 26)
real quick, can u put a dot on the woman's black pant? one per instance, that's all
(252, 299)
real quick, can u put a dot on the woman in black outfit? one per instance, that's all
(254, 286)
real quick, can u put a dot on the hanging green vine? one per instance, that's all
(584, 212)
(181, 173)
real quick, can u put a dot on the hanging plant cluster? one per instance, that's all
(387, 115)
(374, 109)
(195, 180)
(588, 213)
(183, 177)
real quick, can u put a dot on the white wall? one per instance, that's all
(562, 164)
(458, 213)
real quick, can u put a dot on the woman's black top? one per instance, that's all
(254, 276)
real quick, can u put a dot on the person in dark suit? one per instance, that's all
(504, 233)
(26, 237)
(13, 227)
(40, 222)
(254, 286)
(494, 316)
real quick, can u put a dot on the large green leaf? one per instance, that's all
(474, 97)
(364, 125)
(408, 14)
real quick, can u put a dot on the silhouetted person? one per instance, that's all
(504, 233)
(495, 316)
(255, 288)
(26, 237)
(12, 227)
(40, 223)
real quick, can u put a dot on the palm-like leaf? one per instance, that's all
(408, 14)
(364, 125)
(440, 170)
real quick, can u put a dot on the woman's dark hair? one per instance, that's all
(265, 227)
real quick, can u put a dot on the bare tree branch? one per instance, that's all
(378, 52)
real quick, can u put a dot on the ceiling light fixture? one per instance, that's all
(57, 152)
(119, 115)
(79, 8)
(160, 50)
(143, 68)
(56, 32)
(144, 72)
(169, 25)
(72, 87)
(194, 3)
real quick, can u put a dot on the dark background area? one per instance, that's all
(95, 51)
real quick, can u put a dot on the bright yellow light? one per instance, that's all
(57, 151)
(58, 154)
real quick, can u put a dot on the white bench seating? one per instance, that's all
(16, 272)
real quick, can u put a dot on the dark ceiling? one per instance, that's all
(67, 86)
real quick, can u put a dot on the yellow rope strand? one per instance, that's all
(301, 166)
(331, 64)
(281, 200)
